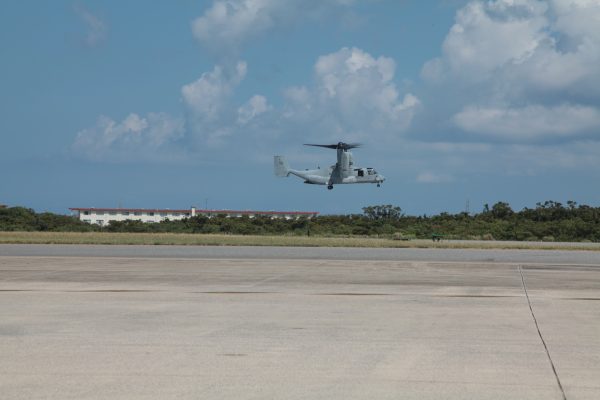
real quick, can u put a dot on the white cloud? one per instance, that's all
(579, 19)
(133, 138)
(529, 122)
(207, 96)
(209, 106)
(252, 108)
(227, 24)
(519, 70)
(97, 30)
(553, 44)
(210, 119)
(354, 96)
(488, 35)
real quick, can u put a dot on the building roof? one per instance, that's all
(198, 211)
(155, 210)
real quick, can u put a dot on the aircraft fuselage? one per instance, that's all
(343, 172)
(330, 177)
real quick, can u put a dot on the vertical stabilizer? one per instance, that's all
(281, 166)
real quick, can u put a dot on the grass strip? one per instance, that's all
(185, 239)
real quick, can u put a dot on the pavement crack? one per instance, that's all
(537, 327)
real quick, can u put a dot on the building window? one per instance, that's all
(125, 212)
(112, 213)
(99, 212)
(137, 213)
(176, 214)
(87, 220)
(151, 214)
(86, 213)
(163, 214)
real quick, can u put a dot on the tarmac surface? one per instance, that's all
(307, 253)
(156, 322)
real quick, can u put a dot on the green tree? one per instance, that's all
(501, 210)
(383, 212)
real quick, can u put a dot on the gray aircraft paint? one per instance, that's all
(343, 172)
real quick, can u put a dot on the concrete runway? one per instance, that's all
(78, 323)
(306, 253)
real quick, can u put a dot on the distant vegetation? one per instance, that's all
(25, 219)
(548, 221)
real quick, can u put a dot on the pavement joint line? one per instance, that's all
(537, 327)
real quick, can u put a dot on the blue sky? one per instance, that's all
(172, 104)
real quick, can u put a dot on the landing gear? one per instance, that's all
(329, 187)
(379, 185)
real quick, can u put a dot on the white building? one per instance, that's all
(102, 216)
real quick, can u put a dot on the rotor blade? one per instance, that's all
(329, 146)
(340, 145)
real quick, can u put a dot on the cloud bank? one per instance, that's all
(134, 138)
(521, 70)
(228, 24)
(353, 96)
(515, 89)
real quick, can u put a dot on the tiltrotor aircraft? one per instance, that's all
(343, 172)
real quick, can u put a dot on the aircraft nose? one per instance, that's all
(380, 178)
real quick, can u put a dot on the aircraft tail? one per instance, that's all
(281, 166)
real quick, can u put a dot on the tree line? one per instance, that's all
(548, 221)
